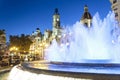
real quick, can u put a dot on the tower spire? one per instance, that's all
(85, 8)
(56, 11)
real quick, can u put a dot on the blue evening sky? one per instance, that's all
(24, 16)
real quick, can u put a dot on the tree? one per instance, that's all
(2, 36)
(21, 42)
(2, 42)
(2, 32)
(25, 43)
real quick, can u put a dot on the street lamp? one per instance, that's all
(14, 49)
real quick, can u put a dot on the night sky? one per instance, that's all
(24, 16)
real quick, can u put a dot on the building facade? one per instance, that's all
(86, 17)
(41, 42)
(36, 39)
(116, 8)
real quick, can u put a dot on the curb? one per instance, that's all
(5, 70)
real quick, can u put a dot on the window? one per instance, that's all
(86, 24)
(116, 14)
(114, 1)
(115, 9)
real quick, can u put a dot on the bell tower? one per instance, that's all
(56, 19)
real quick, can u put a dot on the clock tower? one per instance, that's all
(56, 19)
(57, 30)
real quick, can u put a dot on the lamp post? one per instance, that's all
(14, 49)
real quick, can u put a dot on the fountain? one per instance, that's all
(94, 45)
(87, 54)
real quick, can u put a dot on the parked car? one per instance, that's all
(14, 60)
(4, 61)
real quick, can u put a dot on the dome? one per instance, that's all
(86, 14)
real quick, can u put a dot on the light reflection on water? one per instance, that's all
(79, 69)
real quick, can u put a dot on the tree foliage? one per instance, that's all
(2, 32)
(2, 36)
(22, 42)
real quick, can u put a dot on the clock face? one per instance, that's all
(57, 19)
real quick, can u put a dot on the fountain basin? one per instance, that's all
(67, 71)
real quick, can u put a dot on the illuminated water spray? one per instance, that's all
(98, 44)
